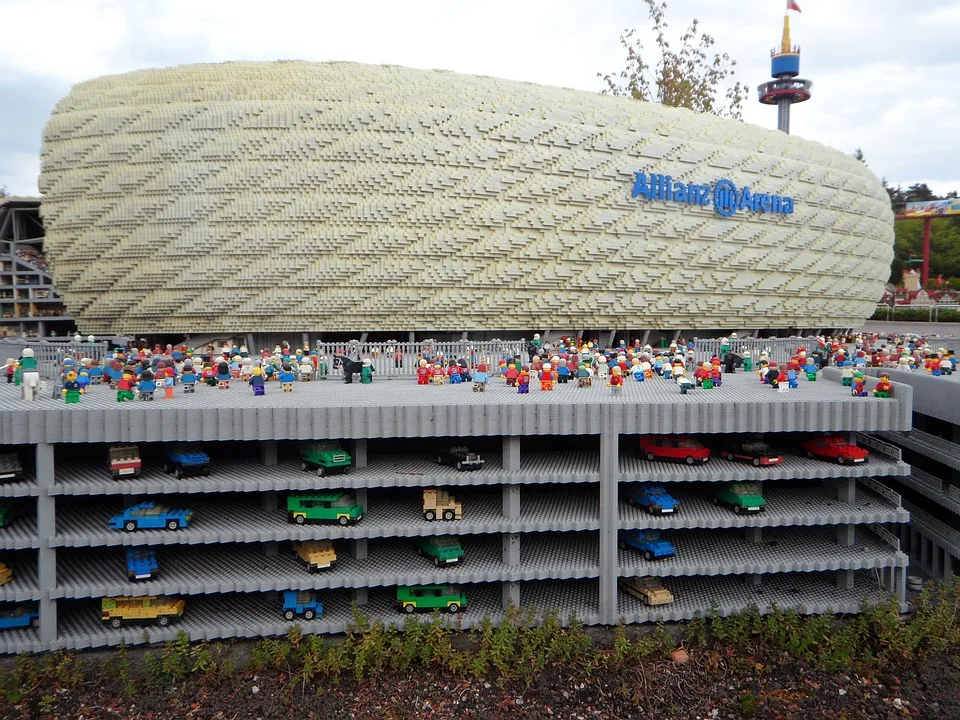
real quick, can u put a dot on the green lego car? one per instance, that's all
(412, 598)
(338, 507)
(742, 497)
(324, 456)
(443, 549)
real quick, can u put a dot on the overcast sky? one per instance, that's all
(886, 73)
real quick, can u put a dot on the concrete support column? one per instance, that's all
(947, 565)
(914, 543)
(511, 549)
(904, 532)
(511, 454)
(305, 340)
(360, 495)
(359, 595)
(924, 553)
(899, 576)
(845, 580)
(753, 535)
(46, 555)
(358, 451)
(846, 535)
(268, 501)
(609, 518)
(847, 490)
(753, 579)
(268, 452)
(935, 559)
(511, 502)
(511, 595)
(358, 549)
(411, 336)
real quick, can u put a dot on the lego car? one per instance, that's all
(144, 609)
(654, 498)
(183, 463)
(678, 448)
(324, 456)
(440, 503)
(124, 461)
(757, 453)
(834, 447)
(460, 457)
(301, 603)
(10, 467)
(316, 554)
(649, 589)
(442, 549)
(19, 617)
(6, 574)
(648, 542)
(149, 516)
(743, 497)
(431, 597)
(141, 563)
(338, 507)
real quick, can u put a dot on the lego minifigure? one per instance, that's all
(602, 370)
(147, 385)
(615, 383)
(584, 376)
(563, 371)
(246, 369)
(29, 375)
(747, 361)
(810, 369)
(773, 376)
(453, 373)
(287, 377)
(547, 377)
(125, 384)
(307, 370)
(792, 379)
(11, 367)
(683, 382)
(223, 375)
(512, 374)
(257, 382)
(423, 373)
(480, 378)
(883, 389)
(188, 377)
(858, 389)
(366, 372)
(436, 377)
(523, 381)
(71, 389)
(706, 375)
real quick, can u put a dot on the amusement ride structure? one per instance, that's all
(786, 88)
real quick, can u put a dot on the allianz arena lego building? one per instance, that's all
(295, 196)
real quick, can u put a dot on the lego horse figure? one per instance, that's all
(350, 367)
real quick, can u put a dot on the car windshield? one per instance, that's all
(344, 501)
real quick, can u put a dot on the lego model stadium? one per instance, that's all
(206, 431)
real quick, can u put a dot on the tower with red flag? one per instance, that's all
(786, 88)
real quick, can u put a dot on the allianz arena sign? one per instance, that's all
(724, 195)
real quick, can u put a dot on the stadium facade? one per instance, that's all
(339, 197)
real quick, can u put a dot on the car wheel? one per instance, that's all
(308, 614)
(651, 510)
(716, 500)
(299, 519)
(449, 515)
(409, 609)
(689, 460)
(321, 471)
(173, 524)
(756, 462)
(304, 466)
(289, 615)
(115, 622)
(647, 555)
(167, 468)
(437, 562)
(178, 473)
(163, 621)
(737, 509)
(130, 526)
(459, 465)
(439, 460)
(35, 622)
(809, 454)
(841, 460)
(420, 551)
(343, 520)
(651, 456)
(429, 516)
(622, 544)
(454, 608)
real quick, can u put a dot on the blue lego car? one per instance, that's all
(648, 542)
(302, 603)
(19, 617)
(655, 499)
(141, 563)
(149, 516)
(183, 463)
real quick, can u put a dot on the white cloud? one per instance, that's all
(884, 73)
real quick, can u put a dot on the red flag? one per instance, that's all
(791, 5)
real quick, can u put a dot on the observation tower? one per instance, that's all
(786, 88)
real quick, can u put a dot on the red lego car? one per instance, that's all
(834, 447)
(680, 448)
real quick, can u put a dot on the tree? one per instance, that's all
(858, 155)
(3, 191)
(692, 77)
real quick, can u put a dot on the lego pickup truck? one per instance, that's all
(336, 507)
(144, 609)
(439, 503)
(301, 603)
(124, 461)
(316, 554)
(460, 457)
(649, 589)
